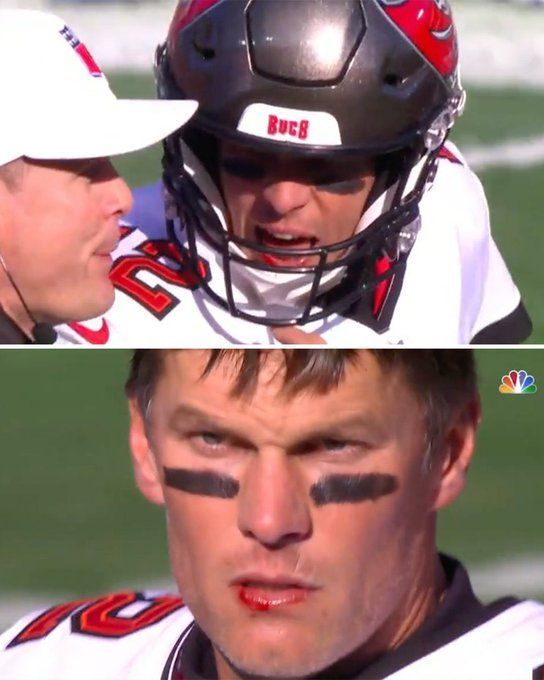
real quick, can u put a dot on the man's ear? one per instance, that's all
(146, 472)
(457, 449)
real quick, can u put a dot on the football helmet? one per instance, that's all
(334, 79)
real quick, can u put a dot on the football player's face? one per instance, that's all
(59, 224)
(292, 203)
(301, 529)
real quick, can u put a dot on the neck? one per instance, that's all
(427, 590)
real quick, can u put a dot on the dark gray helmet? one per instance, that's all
(372, 78)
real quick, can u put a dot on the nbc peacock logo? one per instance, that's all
(517, 382)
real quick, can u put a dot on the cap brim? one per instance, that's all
(118, 128)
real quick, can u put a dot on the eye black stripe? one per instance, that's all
(201, 483)
(352, 488)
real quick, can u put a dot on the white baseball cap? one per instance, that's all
(56, 104)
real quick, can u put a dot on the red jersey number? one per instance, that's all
(125, 275)
(102, 617)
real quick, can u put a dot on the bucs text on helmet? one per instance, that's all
(339, 79)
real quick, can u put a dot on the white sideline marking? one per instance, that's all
(521, 576)
(513, 153)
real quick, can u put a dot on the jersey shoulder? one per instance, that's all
(459, 191)
(510, 645)
(126, 634)
(456, 281)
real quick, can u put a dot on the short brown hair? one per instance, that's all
(442, 380)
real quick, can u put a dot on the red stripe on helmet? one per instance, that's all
(188, 11)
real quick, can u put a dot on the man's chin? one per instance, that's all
(93, 302)
(266, 661)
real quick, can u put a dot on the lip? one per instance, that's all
(284, 231)
(264, 236)
(263, 593)
(108, 248)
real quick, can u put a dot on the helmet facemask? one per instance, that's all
(250, 288)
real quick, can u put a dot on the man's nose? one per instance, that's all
(117, 195)
(283, 197)
(274, 504)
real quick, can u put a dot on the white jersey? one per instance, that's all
(132, 636)
(455, 283)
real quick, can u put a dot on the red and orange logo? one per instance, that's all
(429, 25)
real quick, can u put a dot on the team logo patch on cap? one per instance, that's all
(87, 58)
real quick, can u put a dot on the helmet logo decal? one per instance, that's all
(429, 25)
(292, 126)
(84, 54)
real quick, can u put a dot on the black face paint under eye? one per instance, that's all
(342, 187)
(201, 483)
(243, 169)
(352, 488)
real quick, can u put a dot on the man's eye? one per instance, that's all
(97, 170)
(335, 444)
(340, 185)
(211, 439)
(325, 178)
(243, 168)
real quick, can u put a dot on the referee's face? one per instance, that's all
(301, 528)
(59, 224)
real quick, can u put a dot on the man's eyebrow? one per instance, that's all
(190, 416)
(351, 426)
(359, 426)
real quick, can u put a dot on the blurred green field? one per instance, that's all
(73, 522)
(491, 116)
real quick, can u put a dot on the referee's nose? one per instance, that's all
(117, 196)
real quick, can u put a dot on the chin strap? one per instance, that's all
(42, 333)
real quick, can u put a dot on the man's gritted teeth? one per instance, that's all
(286, 239)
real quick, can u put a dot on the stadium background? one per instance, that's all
(74, 524)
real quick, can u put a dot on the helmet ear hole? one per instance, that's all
(207, 53)
(393, 80)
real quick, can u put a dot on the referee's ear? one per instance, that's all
(456, 451)
(146, 472)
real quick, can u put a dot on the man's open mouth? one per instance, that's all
(289, 242)
(262, 597)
